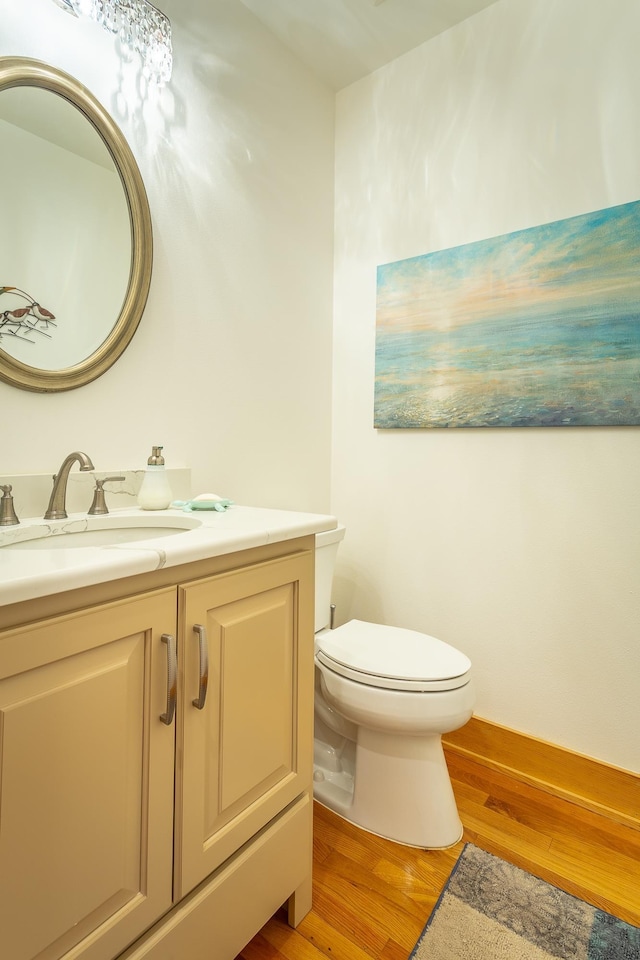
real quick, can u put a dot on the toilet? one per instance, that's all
(383, 698)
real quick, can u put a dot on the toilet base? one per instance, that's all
(333, 768)
(396, 787)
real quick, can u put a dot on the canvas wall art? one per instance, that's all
(540, 327)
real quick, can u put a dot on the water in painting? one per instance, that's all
(540, 327)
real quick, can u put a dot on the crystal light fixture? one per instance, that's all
(139, 26)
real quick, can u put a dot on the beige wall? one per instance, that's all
(519, 546)
(230, 367)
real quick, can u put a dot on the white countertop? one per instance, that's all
(29, 573)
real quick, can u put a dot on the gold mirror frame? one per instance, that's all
(19, 71)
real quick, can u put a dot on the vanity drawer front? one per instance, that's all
(246, 753)
(220, 917)
(86, 772)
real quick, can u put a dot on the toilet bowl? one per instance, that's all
(383, 698)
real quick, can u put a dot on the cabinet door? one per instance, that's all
(247, 752)
(86, 781)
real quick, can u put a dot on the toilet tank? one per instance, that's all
(327, 544)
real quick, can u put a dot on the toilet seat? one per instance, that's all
(392, 657)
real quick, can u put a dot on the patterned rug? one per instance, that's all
(491, 910)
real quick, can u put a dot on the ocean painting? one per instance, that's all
(538, 328)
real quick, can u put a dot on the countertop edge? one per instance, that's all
(221, 534)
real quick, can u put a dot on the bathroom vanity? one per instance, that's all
(156, 722)
(156, 670)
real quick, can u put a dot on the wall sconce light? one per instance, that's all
(139, 26)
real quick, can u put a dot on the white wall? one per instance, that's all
(519, 546)
(230, 367)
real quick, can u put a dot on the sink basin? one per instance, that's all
(99, 532)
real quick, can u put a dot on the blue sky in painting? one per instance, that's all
(558, 304)
(591, 261)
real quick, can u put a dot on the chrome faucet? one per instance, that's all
(57, 505)
(7, 512)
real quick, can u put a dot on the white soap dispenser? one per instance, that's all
(155, 492)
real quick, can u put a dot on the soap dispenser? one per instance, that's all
(155, 492)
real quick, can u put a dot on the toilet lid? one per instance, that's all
(392, 657)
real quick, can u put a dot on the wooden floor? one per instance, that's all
(372, 897)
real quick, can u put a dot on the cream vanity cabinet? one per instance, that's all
(155, 761)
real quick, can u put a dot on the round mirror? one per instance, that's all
(75, 243)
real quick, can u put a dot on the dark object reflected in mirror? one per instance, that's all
(76, 243)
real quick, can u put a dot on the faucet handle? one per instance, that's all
(7, 512)
(99, 505)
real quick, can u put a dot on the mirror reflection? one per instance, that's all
(76, 245)
(66, 238)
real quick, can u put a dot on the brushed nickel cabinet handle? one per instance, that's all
(172, 676)
(201, 632)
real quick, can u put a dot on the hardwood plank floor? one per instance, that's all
(372, 897)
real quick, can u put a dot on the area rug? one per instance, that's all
(491, 910)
